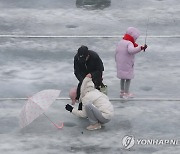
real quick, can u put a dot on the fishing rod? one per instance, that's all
(147, 25)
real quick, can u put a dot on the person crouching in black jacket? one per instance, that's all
(88, 62)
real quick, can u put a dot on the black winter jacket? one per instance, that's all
(93, 65)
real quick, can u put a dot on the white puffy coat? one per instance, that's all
(91, 95)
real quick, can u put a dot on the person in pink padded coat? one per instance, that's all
(125, 58)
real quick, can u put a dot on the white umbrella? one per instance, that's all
(37, 105)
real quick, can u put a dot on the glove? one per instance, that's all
(68, 107)
(80, 106)
(144, 47)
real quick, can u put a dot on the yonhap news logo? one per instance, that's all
(129, 141)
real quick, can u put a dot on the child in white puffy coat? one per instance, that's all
(95, 105)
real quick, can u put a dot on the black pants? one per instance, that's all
(97, 82)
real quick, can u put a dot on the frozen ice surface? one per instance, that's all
(143, 120)
(32, 64)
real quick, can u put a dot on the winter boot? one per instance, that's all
(94, 127)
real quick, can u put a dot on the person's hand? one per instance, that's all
(68, 107)
(144, 47)
(89, 75)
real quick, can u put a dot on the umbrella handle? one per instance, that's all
(57, 126)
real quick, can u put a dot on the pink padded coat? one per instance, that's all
(125, 55)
